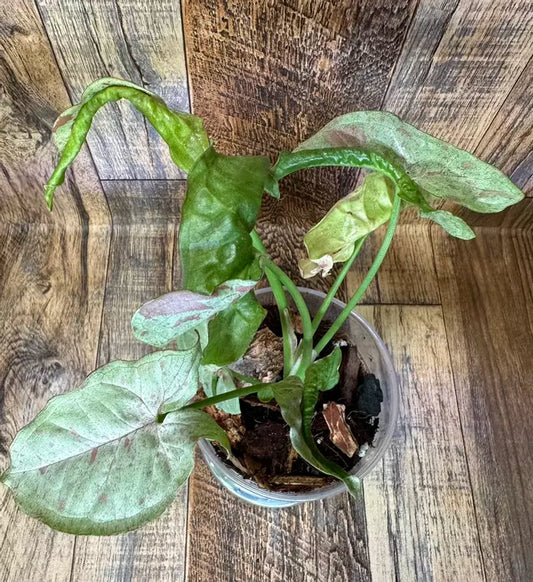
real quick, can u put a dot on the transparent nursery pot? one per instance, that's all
(376, 360)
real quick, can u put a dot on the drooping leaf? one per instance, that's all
(220, 210)
(96, 461)
(162, 320)
(456, 226)
(232, 330)
(183, 133)
(354, 216)
(439, 169)
(288, 394)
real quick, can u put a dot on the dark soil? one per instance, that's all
(261, 445)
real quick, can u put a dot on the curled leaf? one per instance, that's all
(354, 216)
(438, 169)
(183, 133)
(162, 320)
(97, 461)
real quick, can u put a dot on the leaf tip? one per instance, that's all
(49, 196)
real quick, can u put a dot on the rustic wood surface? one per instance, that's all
(451, 499)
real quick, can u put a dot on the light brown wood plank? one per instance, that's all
(419, 506)
(407, 275)
(508, 141)
(486, 287)
(32, 96)
(459, 63)
(141, 41)
(52, 273)
(231, 540)
(266, 75)
(145, 216)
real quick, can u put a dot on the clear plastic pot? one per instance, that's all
(376, 360)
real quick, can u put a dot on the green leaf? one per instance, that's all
(216, 381)
(162, 320)
(456, 226)
(354, 216)
(439, 169)
(183, 133)
(323, 374)
(232, 330)
(220, 210)
(96, 461)
(289, 394)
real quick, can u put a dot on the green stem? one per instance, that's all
(239, 393)
(290, 162)
(307, 325)
(366, 281)
(335, 287)
(283, 308)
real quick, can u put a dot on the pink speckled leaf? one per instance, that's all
(97, 461)
(162, 320)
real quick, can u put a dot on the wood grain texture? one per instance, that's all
(508, 141)
(419, 507)
(486, 287)
(464, 75)
(52, 273)
(266, 75)
(230, 540)
(459, 63)
(31, 97)
(145, 216)
(141, 41)
(407, 275)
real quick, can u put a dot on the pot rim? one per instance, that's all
(250, 487)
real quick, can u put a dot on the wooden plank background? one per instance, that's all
(452, 498)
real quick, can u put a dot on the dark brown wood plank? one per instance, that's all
(141, 41)
(419, 507)
(231, 540)
(266, 75)
(508, 141)
(145, 216)
(486, 287)
(459, 63)
(52, 273)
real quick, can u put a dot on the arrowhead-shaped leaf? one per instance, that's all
(97, 461)
(439, 169)
(183, 133)
(162, 320)
(220, 210)
(289, 394)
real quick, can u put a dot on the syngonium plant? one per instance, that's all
(110, 456)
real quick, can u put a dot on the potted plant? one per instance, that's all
(284, 375)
